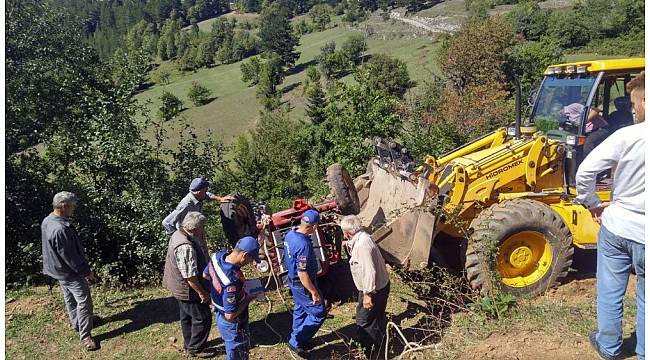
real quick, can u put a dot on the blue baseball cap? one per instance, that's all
(199, 183)
(311, 217)
(250, 245)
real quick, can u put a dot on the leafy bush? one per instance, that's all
(475, 111)
(569, 30)
(478, 54)
(630, 44)
(250, 71)
(170, 106)
(422, 133)
(495, 306)
(352, 49)
(337, 63)
(320, 16)
(355, 15)
(530, 59)
(198, 94)
(302, 28)
(355, 113)
(266, 162)
(529, 20)
(386, 74)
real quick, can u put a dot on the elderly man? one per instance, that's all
(308, 310)
(184, 264)
(64, 260)
(621, 241)
(228, 295)
(193, 201)
(371, 279)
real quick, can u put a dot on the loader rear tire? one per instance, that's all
(344, 190)
(519, 246)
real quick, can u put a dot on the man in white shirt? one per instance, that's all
(621, 240)
(371, 279)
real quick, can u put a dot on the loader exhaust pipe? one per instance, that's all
(515, 79)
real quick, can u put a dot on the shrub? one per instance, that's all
(478, 54)
(353, 48)
(386, 74)
(198, 94)
(529, 20)
(250, 71)
(320, 16)
(170, 106)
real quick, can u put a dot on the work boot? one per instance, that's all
(300, 352)
(90, 343)
(203, 354)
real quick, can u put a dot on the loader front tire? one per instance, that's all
(343, 188)
(519, 246)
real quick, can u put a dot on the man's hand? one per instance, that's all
(315, 298)
(225, 199)
(90, 277)
(597, 212)
(205, 297)
(367, 302)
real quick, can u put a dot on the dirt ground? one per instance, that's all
(517, 344)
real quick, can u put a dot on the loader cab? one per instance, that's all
(581, 104)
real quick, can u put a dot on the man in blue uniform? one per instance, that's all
(309, 310)
(228, 295)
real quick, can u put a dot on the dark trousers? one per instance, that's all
(371, 324)
(196, 320)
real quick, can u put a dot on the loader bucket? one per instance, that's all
(395, 209)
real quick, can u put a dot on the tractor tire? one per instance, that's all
(344, 190)
(519, 246)
(238, 219)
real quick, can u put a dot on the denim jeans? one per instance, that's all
(79, 302)
(616, 257)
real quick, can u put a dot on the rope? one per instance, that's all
(277, 287)
(410, 346)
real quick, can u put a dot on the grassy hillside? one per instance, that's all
(235, 107)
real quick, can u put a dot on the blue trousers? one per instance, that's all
(307, 317)
(236, 338)
(616, 258)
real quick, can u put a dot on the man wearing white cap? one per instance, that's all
(193, 201)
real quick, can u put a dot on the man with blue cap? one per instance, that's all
(193, 201)
(228, 296)
(308, 310)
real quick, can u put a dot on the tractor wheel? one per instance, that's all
(343, 189)
(519, 246)
(238, 219)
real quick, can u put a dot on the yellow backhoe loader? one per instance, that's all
(506, 201)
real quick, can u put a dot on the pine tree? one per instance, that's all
(316, 103)
(270, 77)
(276, 34)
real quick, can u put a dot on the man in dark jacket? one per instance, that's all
(184, 266)
(64, 260)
